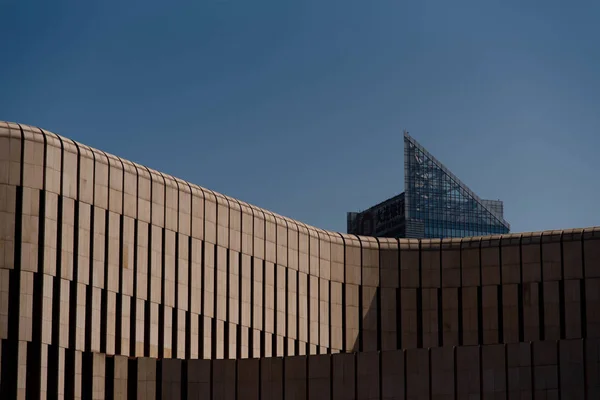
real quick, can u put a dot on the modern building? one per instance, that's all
(435, 204)
(121, 282)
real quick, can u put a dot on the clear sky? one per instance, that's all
(299, 106)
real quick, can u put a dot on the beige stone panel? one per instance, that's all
(388, 319)
(430, 317)
(69, 169)
(269, 305)
(10, 154)
(171, 203)
(370, 261)
(53, 170)
(408, 322)
(344, 376)
(100, 179)
(336, 316)
(280, 300)
(313, 247)
(184, 207)
(142, 267)
(451, 263)
(115, 184)
(467, 372)
(246, 290)
(114, 243)
(572, 309)
(431, 263)
(304, 302)
(552, 255)
(511, 258)
(278, 350)
(257, 301)
(64, 302)
(8, 196)
(531, 258)
(292, 304)
(30, 229)
(124, 336)
(208, 291)
(194, 329)
(144, 193)
(572, 253)
(510, 313)
(493, 371)
(140, 327)
(352, 248)
(591, 252)
(389, 262)
(270, 237)
(33, 158)
(127, 267)
(470, 274)
(490, 261)
(83, 248)
(222, 220)
(235, 225)
(551, 310)
(50, 234)
(157, 205)
(197, 228)
(80, 299)
(592, 292)
(545, 369)
(21, 367)
(337, 258)
(86, 174)
(531, 311)
(206, 344)
(259, 233)
(450, 316)
(324, 301)
(470, 317)
(67, 242)
(46, 317)
(4, 300)
(247, 229)
(324, 255)
(167, 339)
(369, 318)
(99, 242)
(154, 328)
(25, 298)
(231, 341)
(155, 263)
(234, 287)
(417, 373)
(489, 297)
(95, 326)
(442, 373)
(196, 277)
(351, 330)
(130, 186)
(281, 240)
(111, 317)
(313, 305)
(221, 283)
(303, 248)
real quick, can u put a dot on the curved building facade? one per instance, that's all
(118, 281)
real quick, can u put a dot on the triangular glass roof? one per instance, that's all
(439, 200)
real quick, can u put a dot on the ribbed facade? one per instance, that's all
(118, 281)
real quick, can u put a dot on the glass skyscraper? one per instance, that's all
(435, 204)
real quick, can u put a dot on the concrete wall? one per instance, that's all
(102, 259)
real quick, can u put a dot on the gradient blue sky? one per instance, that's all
(299, 106)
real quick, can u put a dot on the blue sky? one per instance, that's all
(299, 106)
